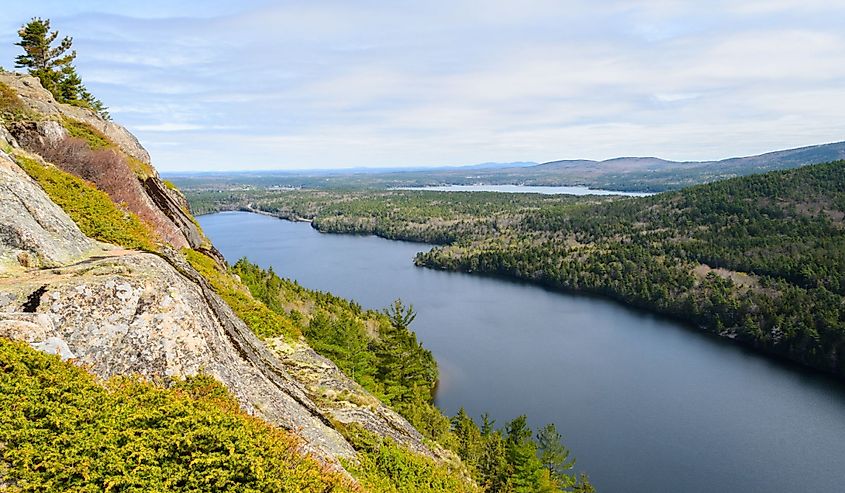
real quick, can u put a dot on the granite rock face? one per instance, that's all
(131, 313)
(344, 399)
(6, 138)
(34, 232)
(121, 312)
(40, 100)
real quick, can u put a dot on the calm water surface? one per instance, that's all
(646, 404)
(562, 190)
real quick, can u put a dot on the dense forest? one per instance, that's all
(427, 216)
(756, 259)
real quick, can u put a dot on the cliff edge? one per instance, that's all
(93, 267)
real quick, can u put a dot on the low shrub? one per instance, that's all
(264, 322)
(385, 466)
(93, 210)
(97, 140)
(62, 431)
(11, 107)
(81, 130)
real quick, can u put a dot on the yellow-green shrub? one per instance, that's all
(97, 140)
(11, 106)
(386, 467)
(62, 431)
(81, 130)
(92, 210)
(260, 319)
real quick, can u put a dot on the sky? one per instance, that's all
(223, 85)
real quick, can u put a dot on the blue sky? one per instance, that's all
(213, 85)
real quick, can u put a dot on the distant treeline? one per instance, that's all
(758, 259)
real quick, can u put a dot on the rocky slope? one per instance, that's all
(44, 124)
(127, 312)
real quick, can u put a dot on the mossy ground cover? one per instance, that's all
(92, 210)
(11, 106)
(97, 140)
(260, 319)
(63, 431)
(386, 467)
(93, 137)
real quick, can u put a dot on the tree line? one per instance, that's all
(758, 259)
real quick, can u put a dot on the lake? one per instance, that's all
(646, 404)
(562, 190)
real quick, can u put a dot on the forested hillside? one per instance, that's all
(758, 259)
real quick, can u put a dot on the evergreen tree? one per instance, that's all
(554, 455)
(470, 442)
(69, 88)
(493, 464)
(525, 467)
(53, 65)
(400, 315)
(43, 60)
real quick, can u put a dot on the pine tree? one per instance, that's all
(493, 463)
(53, 65)
(41, 58)
(400, 315)
(522, 457)
(554, 455)
(69, 86)
(470, 444)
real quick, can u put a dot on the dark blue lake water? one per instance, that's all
(646, 404)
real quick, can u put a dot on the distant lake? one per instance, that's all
(578, 190)
(646, 404)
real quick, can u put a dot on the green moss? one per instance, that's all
(92, 210)
(97, 140)
(11, 107)
(81, 130)
(141, 169)
(62, 431)
(260, 319)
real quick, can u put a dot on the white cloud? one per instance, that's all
(168, 127)
(331, 84)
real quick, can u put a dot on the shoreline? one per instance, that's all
(551, 286)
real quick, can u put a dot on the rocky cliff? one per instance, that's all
(121, 311)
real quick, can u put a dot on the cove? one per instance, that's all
(645, 404)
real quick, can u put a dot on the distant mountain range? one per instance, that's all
(642, 174)
(655, 174)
